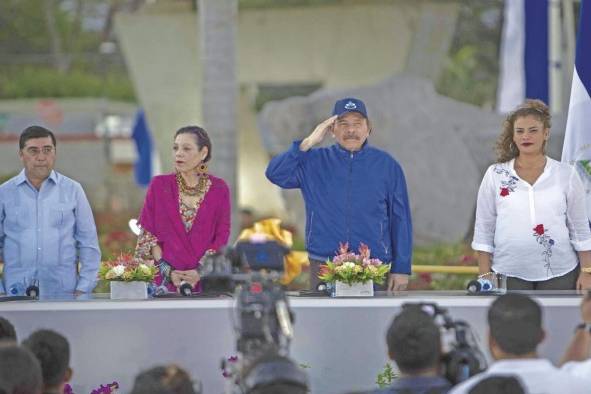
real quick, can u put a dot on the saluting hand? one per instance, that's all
(318, 134)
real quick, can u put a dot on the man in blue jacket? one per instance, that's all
(353, 193)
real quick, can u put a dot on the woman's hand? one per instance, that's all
(176, 277)
(191, 276)
(584, 281)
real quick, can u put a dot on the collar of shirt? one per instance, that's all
(346, 153)
(520, 365)
(21, 177)
(548, 167)
(422, 382)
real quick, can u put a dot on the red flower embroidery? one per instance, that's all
(504, 192)
(539, 229)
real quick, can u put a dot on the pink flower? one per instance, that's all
(364, 250)
(343, 247)
(504, 192)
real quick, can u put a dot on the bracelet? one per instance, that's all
(165, 269)
(583, 326)
(488, 273)
(586, 270)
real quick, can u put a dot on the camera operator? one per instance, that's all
(273, 373)
(515, 331)
(262, 317)
(414, 344)
(577, 358)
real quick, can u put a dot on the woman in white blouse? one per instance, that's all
(531, 221)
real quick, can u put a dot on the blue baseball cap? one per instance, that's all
(349, 104)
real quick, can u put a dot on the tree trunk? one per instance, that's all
(59, 59)
(218, 21)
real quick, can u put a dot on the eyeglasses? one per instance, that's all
(34, 151)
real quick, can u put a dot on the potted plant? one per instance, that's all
(353, 274)
(128, 277)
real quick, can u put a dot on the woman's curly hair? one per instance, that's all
(505, 148)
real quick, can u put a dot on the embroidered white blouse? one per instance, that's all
(532, 231)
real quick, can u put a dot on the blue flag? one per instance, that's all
(577, 138)
(144, 166)
(524, 65)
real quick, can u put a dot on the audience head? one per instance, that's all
(7, 331)
(247, 218)
(20, 371)
(497, 385)
(273, 373)
(53, 352)
(515, 324)
(168, 379)
(414, 341)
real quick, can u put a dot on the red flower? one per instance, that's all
(539, 229)
(323, 270)
(504, 192)
(426, 277)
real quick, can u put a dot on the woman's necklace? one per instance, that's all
(192, 190)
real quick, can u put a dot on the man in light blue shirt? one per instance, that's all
(46, 224)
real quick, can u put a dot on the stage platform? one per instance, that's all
(341, 341)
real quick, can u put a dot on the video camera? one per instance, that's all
(262, 317)
(464, 357)
(221, 272)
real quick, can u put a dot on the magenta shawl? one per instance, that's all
(161, 217)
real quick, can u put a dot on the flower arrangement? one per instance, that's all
(350, 268)
(106, 389)
(127, 269)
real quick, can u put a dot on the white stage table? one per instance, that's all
(341, 340)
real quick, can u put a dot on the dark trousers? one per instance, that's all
(314, 269)
(565, 282)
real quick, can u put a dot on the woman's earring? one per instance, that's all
(202, 168)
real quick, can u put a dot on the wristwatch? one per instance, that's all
(586, 270)
(583, 326)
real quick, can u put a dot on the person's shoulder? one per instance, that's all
(500, 165)
(383, 156)
(562, 167)
(9, 183)
(577, 370)
(163, 178)
(466, 385)
(218, 183)
(65, 181)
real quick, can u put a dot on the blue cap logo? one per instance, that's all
(349, 104)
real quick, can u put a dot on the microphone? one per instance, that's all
(33, 289)
(480, 286)
(186, 289)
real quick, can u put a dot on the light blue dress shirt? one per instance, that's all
(45, 232)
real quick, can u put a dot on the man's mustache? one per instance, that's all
(351, 137)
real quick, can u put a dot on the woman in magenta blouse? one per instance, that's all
(186, 214)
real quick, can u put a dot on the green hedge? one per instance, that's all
(34, 82)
